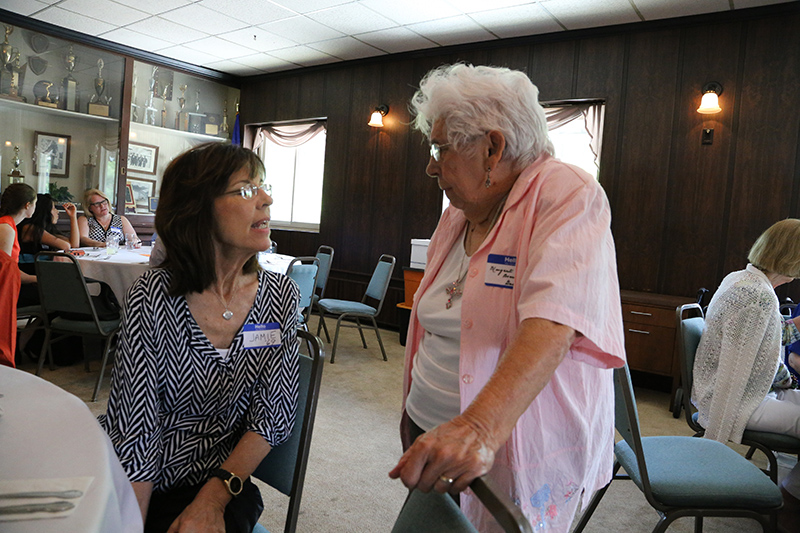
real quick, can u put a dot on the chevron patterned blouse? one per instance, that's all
(177, 408)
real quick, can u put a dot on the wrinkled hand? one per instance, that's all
(200, 516)
(70, 208)
(456, 450)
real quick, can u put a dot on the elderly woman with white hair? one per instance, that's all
(517, 321)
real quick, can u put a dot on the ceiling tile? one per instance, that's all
(575, 14)
(301, 30)
(250, 11)
(346, 48)
(234, 68)
(167, 30)
(352, 18)
(257, 39)
(112, 11)
(67, 19)
(303, 55)
(135, 39)
(395, 40)
(453, 30)
(471, 6)
(658, 9)
(307, 6)
(219, 47)
(23, 7)
(742, 4)
(203, 19)
(187, 54)
(153, 7)
(265, 62)
(412, 11)
(529, 19)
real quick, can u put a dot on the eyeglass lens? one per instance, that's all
(97, 204)
(250, 191)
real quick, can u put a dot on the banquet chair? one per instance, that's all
(325, 256)
(435, 512)
(304, 271)
(63, 290)
(376, 290)
(33, 317)
(284, 467)
(684, 476)
(689, 331)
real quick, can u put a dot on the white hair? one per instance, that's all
(475, 100)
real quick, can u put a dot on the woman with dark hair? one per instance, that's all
(17, 203)
(206, 375)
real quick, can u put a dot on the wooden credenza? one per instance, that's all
(649, 321)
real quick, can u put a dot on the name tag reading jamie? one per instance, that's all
(262, 335)
(500, 271)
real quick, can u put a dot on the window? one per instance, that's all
(294, 157)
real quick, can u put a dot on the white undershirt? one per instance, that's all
(434, 395)
(223, 352)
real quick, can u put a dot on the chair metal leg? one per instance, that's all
(587, 514)
(360, 332)
(378, 333)
(698, 524)
(324, 326)
(750, 452)
(102, 367)
(45, 348)
(336, 338)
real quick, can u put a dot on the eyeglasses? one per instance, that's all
(249, 191)
(98, 204)
(436, 150)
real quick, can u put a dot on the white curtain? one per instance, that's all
(593, 115)
(288, 135)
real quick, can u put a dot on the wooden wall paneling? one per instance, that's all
(698, 175)
(646, 136)
(767, 144)
(311, 102)
(472, 56)
(552, 69)
(287, 98)
(601, 68)
(513, 57)
(257, 102)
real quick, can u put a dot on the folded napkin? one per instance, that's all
(14, 486)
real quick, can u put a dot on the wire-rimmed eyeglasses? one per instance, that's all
(436, 150)
(249, 191)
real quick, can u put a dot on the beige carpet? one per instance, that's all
(356, 443)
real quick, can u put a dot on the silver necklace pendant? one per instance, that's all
(228, 314)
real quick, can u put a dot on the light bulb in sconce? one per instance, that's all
(709, 104)
(376, 120)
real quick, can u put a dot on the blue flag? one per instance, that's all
(236, 137)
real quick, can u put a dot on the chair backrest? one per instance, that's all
(304, 271)
(284, 467)
(62, 287)
(626, 420)
(325, 256)
(379, 283)
(689, 330)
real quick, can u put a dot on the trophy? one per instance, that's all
(43, 95)
(224, 128)
(182, 118)
(15, 75)
(149, 110)
(134, 105)
(68, 98)
(98, 103)
(15, 176)
(164, 106)
(6, 58)
(196, 118)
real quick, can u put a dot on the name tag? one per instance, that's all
(500, 271)
(262, 335)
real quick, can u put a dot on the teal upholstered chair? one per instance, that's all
(325, 256)
(690, 329)
(438, 513)
(284, 467)
(304, 271)
(376, 290)
(685, 476)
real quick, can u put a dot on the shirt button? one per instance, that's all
(467, 379)
(468, 323)
(473, 272)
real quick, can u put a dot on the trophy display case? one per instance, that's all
(171, 111)
(60, 110)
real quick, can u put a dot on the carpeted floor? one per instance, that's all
(356, 443)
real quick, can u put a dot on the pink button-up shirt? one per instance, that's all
(556, 226)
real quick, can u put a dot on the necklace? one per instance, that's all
(228, 314)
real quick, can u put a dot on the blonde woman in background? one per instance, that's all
(99, 220)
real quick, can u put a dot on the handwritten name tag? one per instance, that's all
(500, 271)
(262, 335)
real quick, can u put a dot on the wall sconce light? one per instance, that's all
(376, 121)
(710, 102)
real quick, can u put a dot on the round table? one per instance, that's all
(119, 270)
(47, 433)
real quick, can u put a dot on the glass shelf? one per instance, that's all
(33, 108)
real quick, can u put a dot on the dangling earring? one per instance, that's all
(488, 182)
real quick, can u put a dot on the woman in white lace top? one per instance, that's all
(740, 350)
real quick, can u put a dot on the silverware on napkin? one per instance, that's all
(65, 494)
(55, 507)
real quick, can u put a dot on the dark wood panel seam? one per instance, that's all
(623, 94)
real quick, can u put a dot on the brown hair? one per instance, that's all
(777, 250)
(15, 198)
(185, 215)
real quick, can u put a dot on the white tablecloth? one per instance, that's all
(274, 262)
(119, 270)
(45, 432)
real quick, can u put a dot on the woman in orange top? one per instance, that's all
(17, 203)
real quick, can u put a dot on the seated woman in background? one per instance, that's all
(740, 351)
(39, 233)
(196, 403)
(99, 220)
(17, 203)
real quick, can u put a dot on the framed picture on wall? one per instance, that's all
(55, 148)
(142, 158)
(142, 190)
(153, 203)
(129, 204)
